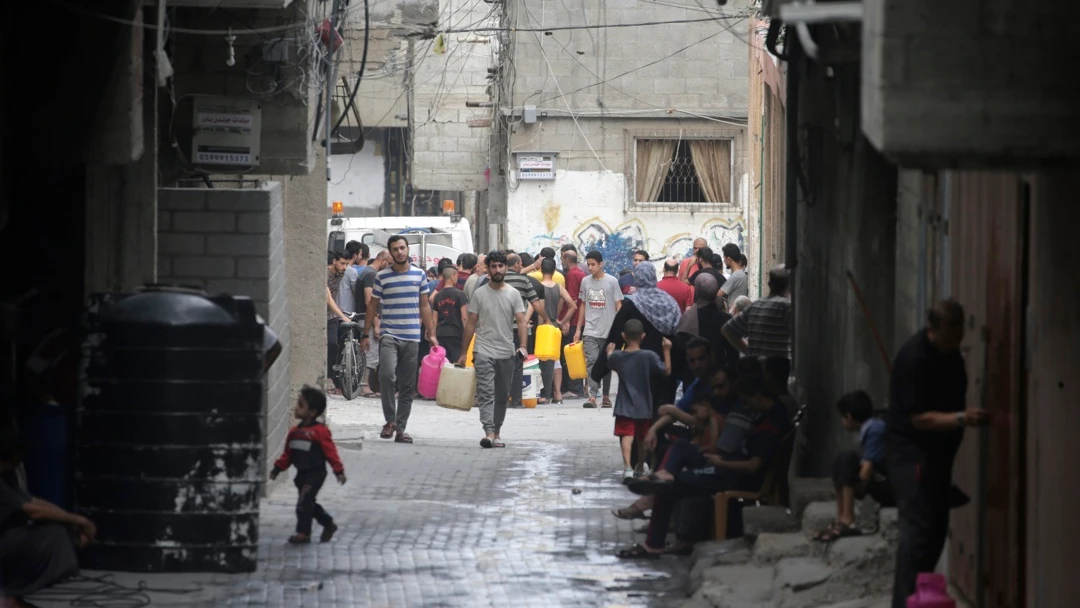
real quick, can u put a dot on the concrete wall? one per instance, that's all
(969, 82)
(587, 205)
(448, 154)
(382, 99)
(846, 223)
(358, 180)
(288, 99)
(709, 77)
(232, 241)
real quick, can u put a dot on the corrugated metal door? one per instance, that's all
(986, 243)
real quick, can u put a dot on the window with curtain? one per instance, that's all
(683, 171)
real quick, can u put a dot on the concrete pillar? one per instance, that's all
(121, 180)
(305, 270)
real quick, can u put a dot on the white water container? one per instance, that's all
(457, 388)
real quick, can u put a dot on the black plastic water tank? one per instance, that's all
(169, 442)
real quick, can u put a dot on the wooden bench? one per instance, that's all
(774, 490)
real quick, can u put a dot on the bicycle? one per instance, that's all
(352, 359)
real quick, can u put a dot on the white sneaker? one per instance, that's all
(645, 469)
(628, 473)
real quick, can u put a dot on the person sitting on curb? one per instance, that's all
(857, 473)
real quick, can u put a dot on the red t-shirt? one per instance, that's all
(688, 267)
(683, 293)
(573, 283)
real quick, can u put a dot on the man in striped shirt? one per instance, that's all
(763, 330)
(403, 292)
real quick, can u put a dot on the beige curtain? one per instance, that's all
(653, 163)
(712, 161)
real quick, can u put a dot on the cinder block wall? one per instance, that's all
(233, 241)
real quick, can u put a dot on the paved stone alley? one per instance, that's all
(444, 522)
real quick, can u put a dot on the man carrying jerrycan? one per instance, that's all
(492, 311)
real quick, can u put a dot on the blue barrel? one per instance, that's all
(46, 430)
(169, 444)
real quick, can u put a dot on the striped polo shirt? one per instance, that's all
(765, 326)
(399, 293)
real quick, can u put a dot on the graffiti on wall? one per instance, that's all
(618, 244)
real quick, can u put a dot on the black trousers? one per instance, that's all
(923, 502)
(308, 484)
(846, 475)
(333, 349)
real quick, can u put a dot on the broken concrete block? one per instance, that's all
(771, 548)
(801, 573)
(817, 516)
(710, 554)
(856, 550)
(757, 520)
(738, 585)
(806, 490)
(887, 524)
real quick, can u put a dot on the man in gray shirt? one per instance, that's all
(493, 309)
(736, 284)
(601, 298)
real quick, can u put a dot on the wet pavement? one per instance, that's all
(444, 523)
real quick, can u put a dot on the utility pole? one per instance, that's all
(496, 200)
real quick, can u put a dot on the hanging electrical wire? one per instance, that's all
(358, 144)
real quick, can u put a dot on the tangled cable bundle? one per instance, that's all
(104, 592)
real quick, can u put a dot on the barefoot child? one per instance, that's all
(309, 447)
(633, 403)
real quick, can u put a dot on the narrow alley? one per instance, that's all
(445, 523)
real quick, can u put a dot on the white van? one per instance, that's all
(430, 237)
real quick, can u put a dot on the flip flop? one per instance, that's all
(837, 531)
(403, 438)
(498, 444)
(629, 513)
(636, 552)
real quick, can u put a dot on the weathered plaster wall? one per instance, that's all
(586, 208)
(588, 205)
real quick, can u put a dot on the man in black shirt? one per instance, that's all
(450, 314)
(705, 260)
(924, 426)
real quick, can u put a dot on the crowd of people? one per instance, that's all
(702, 404)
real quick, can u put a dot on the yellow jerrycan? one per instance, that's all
(575, 360)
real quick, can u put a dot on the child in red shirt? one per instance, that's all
(309, 447)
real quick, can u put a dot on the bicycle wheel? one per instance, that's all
(352, 369)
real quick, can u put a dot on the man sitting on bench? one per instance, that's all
(747, 447)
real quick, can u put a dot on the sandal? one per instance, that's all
(369, 395)
(591, 403)
(299, 539)
(636, 552)
(387, 431)
(403, 438)
(487, 443)
(630, 512)
(606, 403)
(498, 443)
(837, 531)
